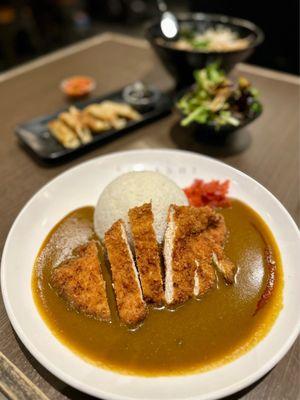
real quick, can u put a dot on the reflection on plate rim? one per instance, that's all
(227, 390)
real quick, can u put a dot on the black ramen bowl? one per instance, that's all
(182, 63)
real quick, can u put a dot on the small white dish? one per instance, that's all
(81, 186)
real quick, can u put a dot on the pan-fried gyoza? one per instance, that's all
(75, 127)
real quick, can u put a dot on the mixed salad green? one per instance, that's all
(217, 101)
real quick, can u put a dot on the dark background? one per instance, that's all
(29, 28)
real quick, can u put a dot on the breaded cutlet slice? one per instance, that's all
(131, 306)
(227, 268)
(147, 253)
(204, 276)
(216, 233)
(188, 253)
(79, 280)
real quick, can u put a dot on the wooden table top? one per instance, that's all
(114, 61)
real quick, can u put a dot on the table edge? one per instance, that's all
(138, 42)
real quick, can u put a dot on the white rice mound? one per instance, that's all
(134, 189)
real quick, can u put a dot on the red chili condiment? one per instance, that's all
(213, 193)
(77, 86)
(267, 293)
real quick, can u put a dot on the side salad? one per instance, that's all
(218, 101)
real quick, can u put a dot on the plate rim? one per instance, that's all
(83, 387)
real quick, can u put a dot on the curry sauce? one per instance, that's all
(197, 336)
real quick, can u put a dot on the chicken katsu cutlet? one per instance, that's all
(183, 255)
(131, 306)
(194, 238)
(147, 253)
(210, 250)
(216, 235)
(79, 280)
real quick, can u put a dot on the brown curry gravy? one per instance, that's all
(199, 335)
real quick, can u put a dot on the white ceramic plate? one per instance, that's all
(81, 186)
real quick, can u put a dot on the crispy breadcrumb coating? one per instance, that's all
(79, 280)
(147, 253)
(198, 238)
(131, 306)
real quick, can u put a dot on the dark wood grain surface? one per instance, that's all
(15, 385)
(272, 158)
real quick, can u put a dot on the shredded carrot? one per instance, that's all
(213, 193)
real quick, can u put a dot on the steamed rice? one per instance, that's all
(134, 189)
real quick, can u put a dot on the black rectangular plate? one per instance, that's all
(42, 145)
